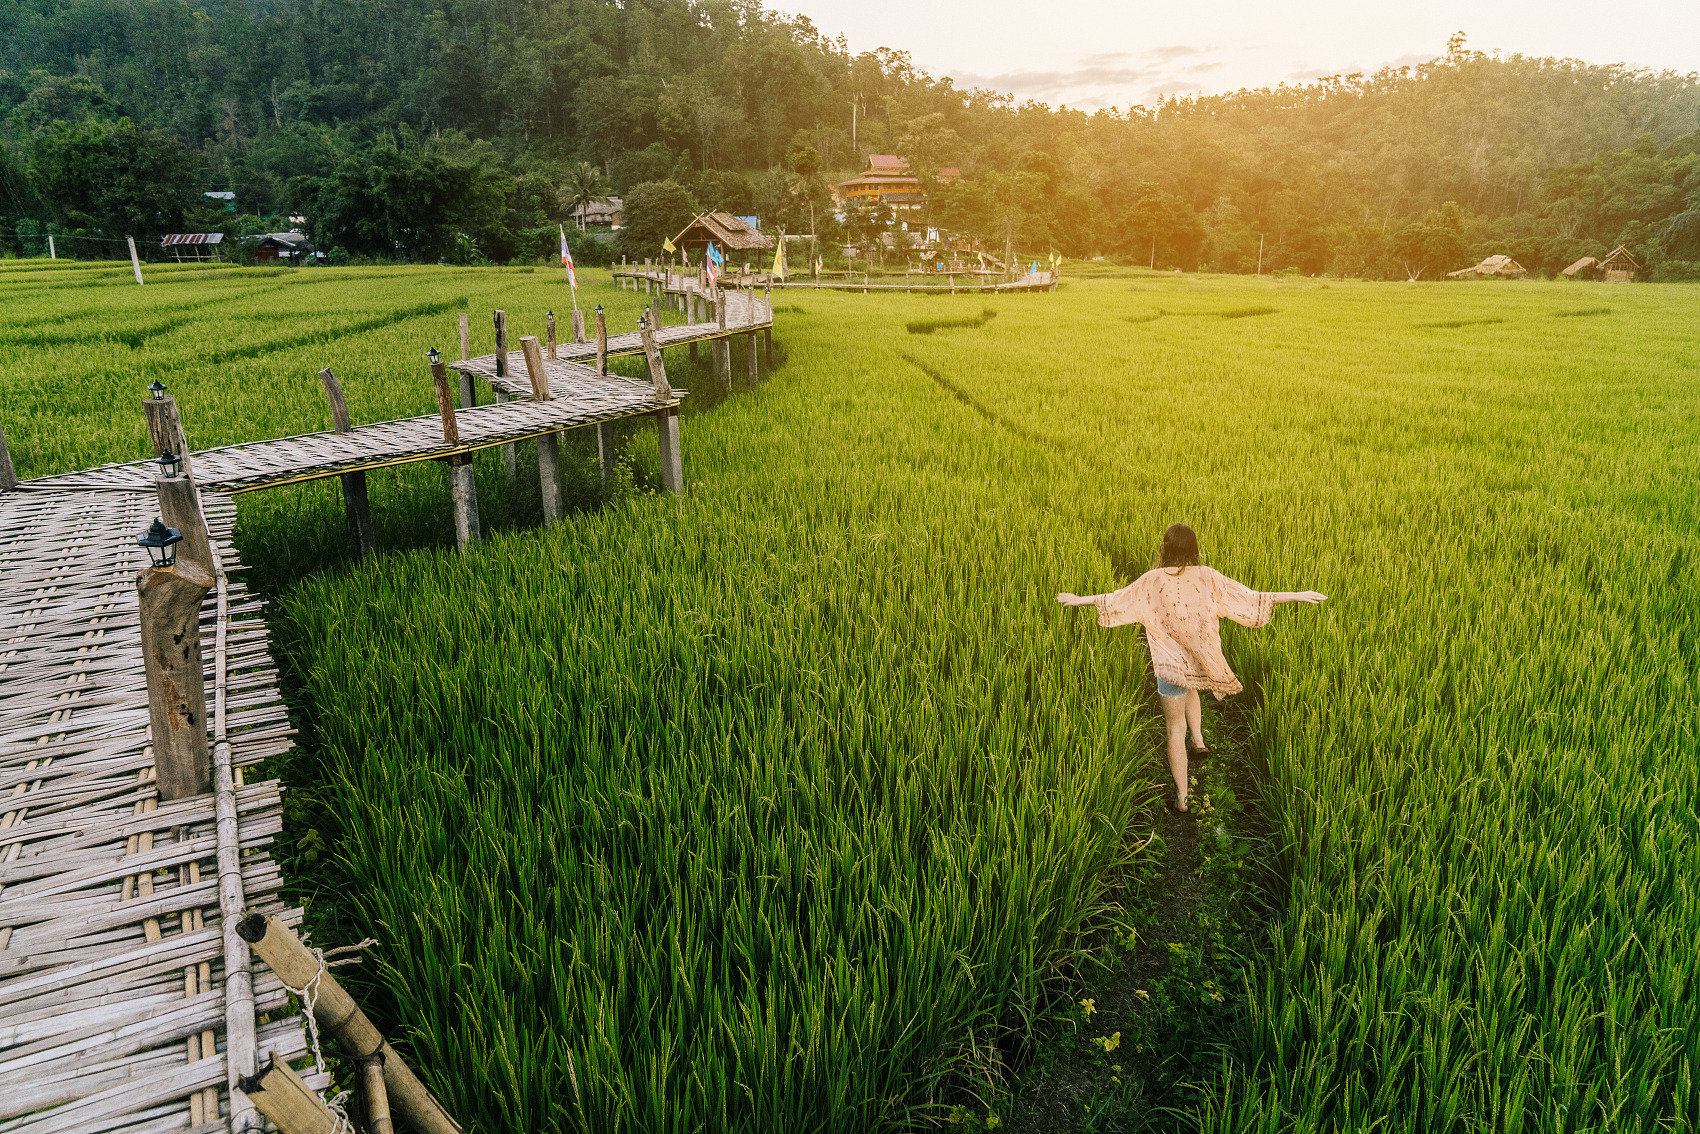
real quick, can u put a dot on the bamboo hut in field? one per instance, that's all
(729, 233)
(1502, 266)
(1620, 266)
(1587, 268)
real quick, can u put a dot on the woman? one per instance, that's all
(1178, 603)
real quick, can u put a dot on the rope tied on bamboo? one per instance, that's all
(309, 995)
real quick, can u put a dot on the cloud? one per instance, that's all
(1095, 78)
(1200, 68)
(1170, 88)
(1415, 60)
(1173, 52)
(1103, 58)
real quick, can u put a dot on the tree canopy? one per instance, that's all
(1542, 157)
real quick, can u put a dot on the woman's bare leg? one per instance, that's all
(1174, 717)
(1195, 718)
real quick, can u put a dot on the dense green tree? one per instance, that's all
(113, 178)
(412, 202)
(653, 212)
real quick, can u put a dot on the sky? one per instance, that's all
(1097, 53)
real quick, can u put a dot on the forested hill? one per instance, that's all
(458, 129)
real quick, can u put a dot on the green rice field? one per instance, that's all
(798, 803)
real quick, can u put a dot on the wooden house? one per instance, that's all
(1587, 268)
(281, 248)
(1620, 266)
(736, 238)
(1502, 266)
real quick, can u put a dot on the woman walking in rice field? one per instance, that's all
(1179, 602)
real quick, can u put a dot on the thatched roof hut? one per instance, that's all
(1620, 266)
(729, 233)
(1492, 266)
(1586, 268)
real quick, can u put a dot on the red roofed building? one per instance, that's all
(887, 180)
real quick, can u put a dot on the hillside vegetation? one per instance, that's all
(423, 131)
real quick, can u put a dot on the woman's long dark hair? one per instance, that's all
(1180, 547)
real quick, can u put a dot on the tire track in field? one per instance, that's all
(289, 342)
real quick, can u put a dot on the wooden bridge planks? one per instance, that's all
(111, 951)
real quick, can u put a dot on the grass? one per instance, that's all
(797, 803)
(928, 326)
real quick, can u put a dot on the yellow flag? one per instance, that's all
(779, 259)
(667, 244)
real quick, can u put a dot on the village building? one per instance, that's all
(1502, 266)
(608, 211)
(1587, 268)
(1620, 266)
(192, 245)
(281, 248)
(737, 239)
(887, 181)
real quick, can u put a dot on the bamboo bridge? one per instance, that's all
(128, 998)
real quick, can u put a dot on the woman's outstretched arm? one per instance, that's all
(1298, 596)
(1068, 598)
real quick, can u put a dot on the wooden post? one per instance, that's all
(463, 486)
(601, 342)
(667, 440)
(755, 358)
(468, 395)
(548, 444)
(722, 348)
(549, 343)
(180, 508)
(377, 1098)
(337, 1014)
(134, 262)
(657, 367)
(767, 331)
(354, 499)
(8, 474)
(292, 1106)
(165, 429)
(169, 599)
(510, 464)
(578, 325)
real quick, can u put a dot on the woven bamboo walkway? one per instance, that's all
(114, 1004)
(1034, 281)
(112, 951)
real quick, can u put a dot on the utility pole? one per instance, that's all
(1260, 253)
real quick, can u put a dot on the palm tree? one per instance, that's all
(584, 188)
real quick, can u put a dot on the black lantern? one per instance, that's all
(161, 543)
(157, 389)
(599, 309)
(170, 464)
(643, 319)
(551, 314)
(434, 355)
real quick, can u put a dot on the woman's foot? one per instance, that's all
(1200, 752)
(1179, 807)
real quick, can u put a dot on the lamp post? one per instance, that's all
(160, 542)
(170, 465)
(157, 389)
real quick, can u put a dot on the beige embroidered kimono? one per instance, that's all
(1178, 608)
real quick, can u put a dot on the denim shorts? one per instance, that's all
(1170, 690)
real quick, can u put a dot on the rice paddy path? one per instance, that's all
(122, 980)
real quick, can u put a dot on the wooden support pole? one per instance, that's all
(667, 439)
(463, 486)
(578, 325)
(134, 262)
(657, 367)
(548, 444)
(722, 348)
(8, 474)
(549, 330)
(601, 342)
(169, 599)
(767, 345)
(510, 463)
(180, 508)
(338, 1015)
(354, 499)
(468, 395)
(378, 1119)
(755, 356)
(292, 1106)
(165, 429)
